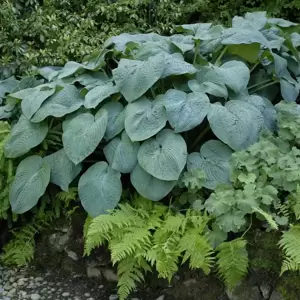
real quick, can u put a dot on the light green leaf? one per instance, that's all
(214, 160)
(63, 170)
(233, 221)
(185, 111)
(116, 119)
(25, 135)
(145, 118)
(238, 124)
(95, 96)
(99, 189)
(216, 236)
(150, 187)
(58, 105)
(83, 135)
(164, 156)
(31, 180)
(121, 153)
(133, 78)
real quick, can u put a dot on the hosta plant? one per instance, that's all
(152, 107)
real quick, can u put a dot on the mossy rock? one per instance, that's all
(289, 286)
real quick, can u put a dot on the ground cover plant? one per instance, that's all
(205, 121)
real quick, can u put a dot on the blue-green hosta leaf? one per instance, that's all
(185, 111)
(133, 77)
(145, 118)
(60, 104)
(214, 160)
(289, 91)
(32, 99)
(175, 65)
(91, 79)
(280, 65)
(150, 48)
(25, 135)
(49, 72)
(31, 180)
(164, 156)
(266, 108)
(71, 116)
(218, 90)
(8, 85)
(121, 153)
(5, 112)
(116, 119)
(237, 124)
(193, 28)
(63, 170)
(95, 96)
(236, 36)
(256, 20)
(272, 35)
(99, 189)
(83, 135)
(184, 42)
(150, 187)
(234, 74)
(281, 22)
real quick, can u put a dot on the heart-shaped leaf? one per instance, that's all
(164, 156)
(185, 111)
(121, 153)
(145, 118)
(63, 170)
(237, 124)
(61, 103)
(213, 159)
(150, 187)
(133, 77)
(25, 135)
(83, 134)
(31, 180)
(99, 189)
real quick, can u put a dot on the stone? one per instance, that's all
(93, 272)
(72, 255)
(244, 291)
(87, 294)
(58, 241)
(66, 294)
(113, 297)
(276, 296)
(265, 290)
(110, 275)
(35, 297)
(162, 297)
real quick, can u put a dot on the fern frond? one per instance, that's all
(290, 244)
(69, 196)
(232, 261)
(130, 272)
(267, 216)
(197, 250)
(289, 264)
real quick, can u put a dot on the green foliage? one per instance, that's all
(232, 261)
(198, 82)
(143, 234)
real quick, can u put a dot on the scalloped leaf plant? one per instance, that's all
(148, 109)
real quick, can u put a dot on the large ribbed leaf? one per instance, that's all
(99, 189)
(121, 153)
(213, 159)
(63, 170)
(150, 187)
(83, 135)
(61, 103)
(25, 135)
(237, 124)
(266, 108)
(31, 180)
(145, 118)
(164, 156)
(96, 95)
(116, 119)
(134, 77)
(8, 85)
(185, 111)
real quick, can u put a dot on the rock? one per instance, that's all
(162, 297)
(72, 255)
(244, 291)
(35, 297)
(93, 272)
(65, 294)
(87, 294)
(265, 290)
(101, 286)
(58, 241)
(110, 275)
(276, 296)
(38, 279)
(113, 297)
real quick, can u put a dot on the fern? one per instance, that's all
(290, 244)
(144, 234)
(232, 261)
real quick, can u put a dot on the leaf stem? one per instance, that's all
(196, 51)
(264, 86)
(55, 132)
(254, 66)
(248, 227)
(260, 83)
(200, 136)
(218, 60)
